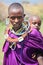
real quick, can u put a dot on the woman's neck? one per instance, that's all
(16, 29)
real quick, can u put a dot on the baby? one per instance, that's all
(35, 23)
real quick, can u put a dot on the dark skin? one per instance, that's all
(35, 22)
(17, 19)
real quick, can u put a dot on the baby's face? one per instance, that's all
(35, 23)
(16, 17)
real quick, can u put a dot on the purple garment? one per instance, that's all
(23, 55)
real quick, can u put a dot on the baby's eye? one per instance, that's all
(34, 23)
(39, 24)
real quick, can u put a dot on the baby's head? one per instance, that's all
(16, 15)
(35, 22)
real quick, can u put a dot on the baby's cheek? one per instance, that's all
(32, 26)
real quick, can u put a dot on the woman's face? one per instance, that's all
(16, 18)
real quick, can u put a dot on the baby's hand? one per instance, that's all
(34, 56)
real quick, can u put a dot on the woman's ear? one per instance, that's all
(8, 17)
(24, 15)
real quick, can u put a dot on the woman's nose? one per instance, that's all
(16, 19)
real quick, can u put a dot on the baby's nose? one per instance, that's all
(36, 24)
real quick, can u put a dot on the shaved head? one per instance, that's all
(34, 18)
(15, 7)
(35, 22)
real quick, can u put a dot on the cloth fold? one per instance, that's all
(23, 55)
